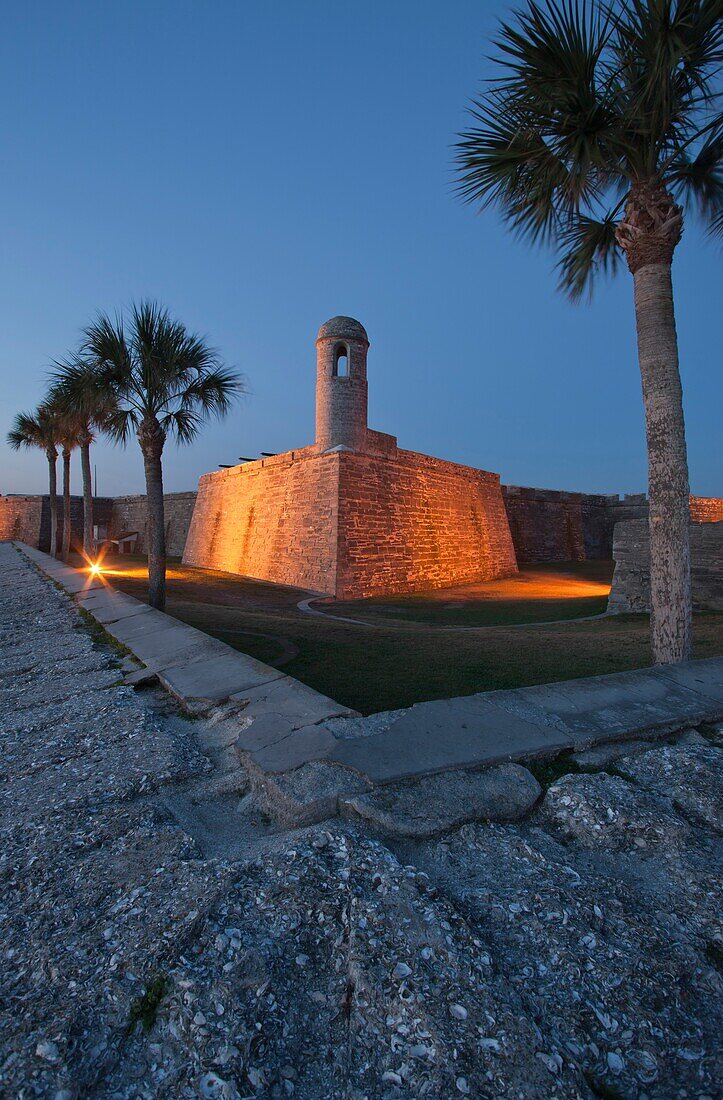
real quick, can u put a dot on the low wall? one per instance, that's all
(129, 514)
(706, 509)
(552, 525)
(631, 580)
(545, 524)
(27, 519)
(21, 518)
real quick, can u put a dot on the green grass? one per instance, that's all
(262, 648)
(400, 662)
(145, 1008)
(100, 636)
(508, 602)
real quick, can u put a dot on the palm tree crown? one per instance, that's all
(85, 410)
(156, 379)
(601, 107)
(39, 429)
(152, 370)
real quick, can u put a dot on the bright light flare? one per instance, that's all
(95, 569)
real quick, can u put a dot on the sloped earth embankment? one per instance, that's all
(574, 954)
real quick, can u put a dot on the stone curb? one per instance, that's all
(200, 671)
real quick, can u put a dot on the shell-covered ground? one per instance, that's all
(574, 954)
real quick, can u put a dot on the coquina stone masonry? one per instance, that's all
(130, 514)
(631, 580)
(353, 515)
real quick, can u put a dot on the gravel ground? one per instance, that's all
(574, 954)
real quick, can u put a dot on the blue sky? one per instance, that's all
(262, 166)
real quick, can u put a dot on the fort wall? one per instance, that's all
(545, 524)
(27, 519)
(275, 519)
(21, 519)
(550, 525)
(129, 514)
(706, 509)
(631, 580)
(409, 522)
(352, 524)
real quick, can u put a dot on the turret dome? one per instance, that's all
(343, 328)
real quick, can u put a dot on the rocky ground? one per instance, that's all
(575, 953)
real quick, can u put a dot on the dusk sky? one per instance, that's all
(260, 167)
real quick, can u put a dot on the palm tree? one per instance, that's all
(40, 429)
(68, 442)
(159, 380)
(602, 122)
(73, 392)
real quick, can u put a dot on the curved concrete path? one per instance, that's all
(305, 606)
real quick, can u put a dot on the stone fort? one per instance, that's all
(355, 515)
(352, 515)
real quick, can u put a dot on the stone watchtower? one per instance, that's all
(341, 385)
(352, 515)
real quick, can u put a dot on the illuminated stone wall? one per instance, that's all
(20, 518)
(409, 522)
(552, 525)
(27, 519)
(352, 524)
(706, 509)
(275, 519)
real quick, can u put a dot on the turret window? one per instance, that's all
(341, 361)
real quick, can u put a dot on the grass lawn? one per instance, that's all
(420, 647)
(539, 593)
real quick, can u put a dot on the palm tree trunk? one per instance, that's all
(53, 497)
(66, 504)
(88, 542)
(151, 438)
(668, 489)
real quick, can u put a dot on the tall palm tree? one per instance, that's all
(601, 123)
(161, 380)
(73, 392)
(68, 443)
(40, 429)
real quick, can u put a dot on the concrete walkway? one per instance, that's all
(311, 750)
(200, 671)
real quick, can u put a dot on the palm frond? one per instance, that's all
(212, 391)
(144, 367)
(550, 54)
(38, 429)
(505, 161)
(588, 248)
(700, 178)
(715, 227)
(182, 424)
(77, 389)
(595, 99)
(667, 53)
(545, 141)
(120, 423)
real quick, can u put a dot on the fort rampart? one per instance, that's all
(545, 524)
